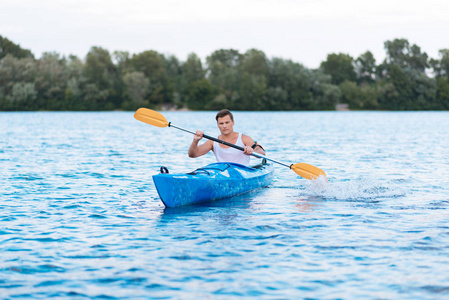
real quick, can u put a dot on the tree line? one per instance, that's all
(406, 80)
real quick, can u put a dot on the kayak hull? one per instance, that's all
(212, 182)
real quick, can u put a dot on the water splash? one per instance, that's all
(363, 188)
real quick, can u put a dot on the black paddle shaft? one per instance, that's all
(229, 144)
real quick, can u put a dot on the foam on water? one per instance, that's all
(354, 189)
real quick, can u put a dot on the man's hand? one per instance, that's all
(198, 135)
(248, 150)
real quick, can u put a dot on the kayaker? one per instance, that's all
(223, 153)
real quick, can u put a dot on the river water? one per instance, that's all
(80, 217)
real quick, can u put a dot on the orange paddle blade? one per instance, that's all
(151, 117)
(307, 171)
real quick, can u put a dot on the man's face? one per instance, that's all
(225, 125)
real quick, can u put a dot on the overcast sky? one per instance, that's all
(304, 31)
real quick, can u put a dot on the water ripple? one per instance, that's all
(80, 217)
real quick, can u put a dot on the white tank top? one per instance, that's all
(231, 154)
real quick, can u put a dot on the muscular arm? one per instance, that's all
(248, 142)
(195, 150)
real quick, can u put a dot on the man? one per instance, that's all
(223, 153)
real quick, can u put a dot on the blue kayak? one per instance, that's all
(212, 182)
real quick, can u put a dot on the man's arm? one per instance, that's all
(249, 143)
(195, 150)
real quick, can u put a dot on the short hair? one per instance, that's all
(223, 113)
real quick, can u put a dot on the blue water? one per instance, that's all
(80, 217)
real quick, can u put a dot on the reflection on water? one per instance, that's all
(307, 204)
(224, 211)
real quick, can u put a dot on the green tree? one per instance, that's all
(253, 85)
(8, 47)
(400, 53)
(22, 96)
(219, 102)
(151, 64)
(200, 94)
(73, 94)
(397, 52)
(443, 93)
(101, 79)
(225, 72)
(400, 95)
(407, 89)
(325, 94)
(444, 63)
(192, 71)
(289, 87)
(121, 60)
(403, 83)
(253, 90)
(16, 79)
(99, 68)
(173, 84)
(441, 71)
(441, 66)
(94, 98)
(229, 79)
(365, 68)
(340, 67)
(14, 70)
(136, 91)
(51, 81)
(358, 97)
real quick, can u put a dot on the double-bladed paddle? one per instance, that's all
(157, 119)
